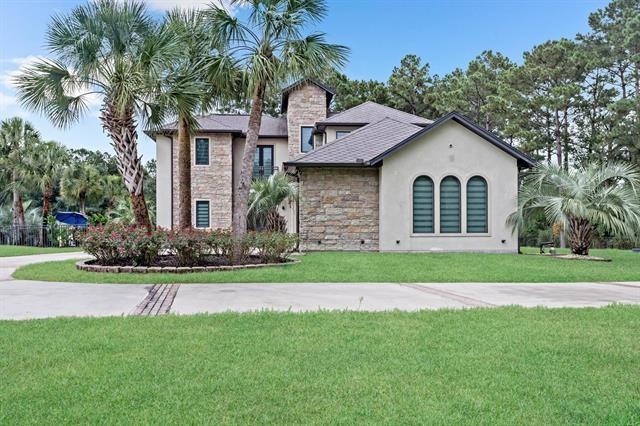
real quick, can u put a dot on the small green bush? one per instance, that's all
(274, 246)
(189, 246)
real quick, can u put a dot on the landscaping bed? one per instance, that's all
(171, 265)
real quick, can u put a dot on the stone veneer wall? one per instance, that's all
(339, 208)
(213, 182)
(307, 104)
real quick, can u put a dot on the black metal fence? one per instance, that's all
(41, 236)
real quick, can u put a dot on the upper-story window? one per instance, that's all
(306, 139)
(202, 151)
(341, 133)
(263, 161)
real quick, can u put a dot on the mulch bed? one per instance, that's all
(169, 264)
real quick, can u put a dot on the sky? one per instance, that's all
(446, 34)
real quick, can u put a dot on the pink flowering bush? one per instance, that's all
(114, 244)
(189, 246)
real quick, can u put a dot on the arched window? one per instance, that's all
(423, 205)
(450, 205)
(477, 217)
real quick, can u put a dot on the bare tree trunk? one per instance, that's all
(46, 201)
(82, 200)
(184, 174)
(241, 195)
(121, 128)
(558, 138)
(18, 208)
(580, 234)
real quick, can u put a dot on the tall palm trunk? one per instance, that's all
(18, 208)
(241, 195)
(82, 202)
(121, 128)
(580, 234)
(184, 174)
(46, 201)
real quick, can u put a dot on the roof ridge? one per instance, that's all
(347, 110)
(399, 110)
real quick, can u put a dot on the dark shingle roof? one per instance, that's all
(371, 112)
(235, 123)
(370, 144)
(359, 146)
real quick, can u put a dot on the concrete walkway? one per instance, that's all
(35, 299)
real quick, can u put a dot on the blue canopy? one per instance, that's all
(71, 218)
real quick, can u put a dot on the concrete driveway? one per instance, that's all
(34, 299)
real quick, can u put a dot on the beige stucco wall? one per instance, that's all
(432, 155)
(212, 182)
(330, 132)
(163, 181)
(280, 155)
(338, 209)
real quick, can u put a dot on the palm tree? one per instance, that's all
(266, 197)
(81, 184)
(271, 50)
(48, 163)
(606, 195)
(187, 90)
(17, 141)
(111, 50)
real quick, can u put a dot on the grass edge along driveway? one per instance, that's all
(11, 251)
(488, 366)
(379, 267)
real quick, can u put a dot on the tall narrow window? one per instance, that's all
(450, 205)
(202, 151)
(423, 205)
(477, 220)
(263, 161)
(202, 214)
(306, 139)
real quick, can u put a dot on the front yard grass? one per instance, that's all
(8, 251)
(380, 267)
(480, 366)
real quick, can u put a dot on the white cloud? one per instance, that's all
(6, 101)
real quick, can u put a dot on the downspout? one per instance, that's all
(298, 210)
(171, 186)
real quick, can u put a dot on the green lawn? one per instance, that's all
(7, 251)
(487, 366)
(381, 267)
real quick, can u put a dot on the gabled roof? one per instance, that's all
(371, 112)
(285, 92)
(234, 123)
(360, 146)
(369, 145)
(524, 160)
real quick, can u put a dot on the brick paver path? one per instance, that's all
(158, 301)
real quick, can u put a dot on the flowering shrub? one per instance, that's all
(114, 244)
(274, 246)
(190, 246)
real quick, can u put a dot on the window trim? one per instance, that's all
(195, 212)
(345, 133)
(486, 205)
(433, 205)
(312, 141)
(195, 150)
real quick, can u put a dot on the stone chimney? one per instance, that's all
(305, 103)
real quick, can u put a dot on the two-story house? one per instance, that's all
(371, 177)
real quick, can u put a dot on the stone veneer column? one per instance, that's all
(339, 209)
(213, 182)
(307, 104)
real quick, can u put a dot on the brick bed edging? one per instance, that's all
(83, 265)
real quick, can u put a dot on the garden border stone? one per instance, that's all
(89, 266)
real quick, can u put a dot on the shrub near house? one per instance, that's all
(115, 244)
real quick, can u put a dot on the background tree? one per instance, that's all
(354, 92)
(82, 184)
(270, 49)
(582, 198)
(18, 139)
(48, 163)
(111, 49)
(410, 87)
